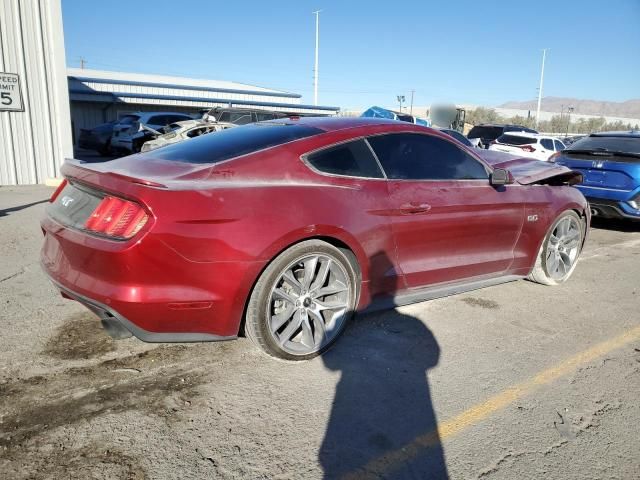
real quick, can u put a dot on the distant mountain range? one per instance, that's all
(628, 109)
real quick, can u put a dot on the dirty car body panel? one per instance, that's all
(217, 209)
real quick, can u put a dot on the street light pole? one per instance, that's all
(544, 55)
(411, 107)
(315, 68)
(400, 100)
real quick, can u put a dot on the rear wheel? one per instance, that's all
(560, 250)
(303, 300)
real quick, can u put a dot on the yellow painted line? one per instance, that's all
(389, 461)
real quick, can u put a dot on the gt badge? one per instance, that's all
(532, 218)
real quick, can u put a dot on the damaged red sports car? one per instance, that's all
(282, 230)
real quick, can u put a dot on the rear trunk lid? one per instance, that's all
(604, 171)
(74, 204)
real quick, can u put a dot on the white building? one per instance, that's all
(35, 129)
(99, 96)
(43, 104)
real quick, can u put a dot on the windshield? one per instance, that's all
(610, 144)
(234, 142)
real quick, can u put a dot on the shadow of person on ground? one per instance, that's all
(382, 422)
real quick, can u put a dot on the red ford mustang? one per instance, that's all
(284, 229)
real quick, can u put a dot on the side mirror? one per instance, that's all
(500, 176)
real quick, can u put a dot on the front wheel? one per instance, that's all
(560, 250)
(303, 300)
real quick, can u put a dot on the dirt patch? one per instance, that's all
(81, 337)
(481, 302)
(152, 382)
(89, 462)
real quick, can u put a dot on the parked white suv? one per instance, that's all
(129, 133)
(525, 144)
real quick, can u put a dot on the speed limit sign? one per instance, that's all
(10, 95)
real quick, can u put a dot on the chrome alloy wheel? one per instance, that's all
(563, 248)
(309, 303)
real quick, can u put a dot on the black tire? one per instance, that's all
(257, 322)
(540, 273)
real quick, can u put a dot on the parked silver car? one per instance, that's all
(134, 129)
(183, 131)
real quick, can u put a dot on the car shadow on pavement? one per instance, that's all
(627, 226)
(382, 423)
(6, 211)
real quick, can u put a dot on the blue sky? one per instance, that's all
(478, 52)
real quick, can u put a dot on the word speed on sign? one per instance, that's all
(10, 97)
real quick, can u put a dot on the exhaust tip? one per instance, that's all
(595, 212)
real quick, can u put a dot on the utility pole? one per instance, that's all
(82, 62)
(411, 107)
(544, 55)
(315, 69)
(400, 100)
(569, 110)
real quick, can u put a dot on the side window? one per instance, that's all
(160, 120)
(559, 145)
(240, 118)
(411, 156)
(353, 159)
(547, 143)
(265, 116)
(196, 132)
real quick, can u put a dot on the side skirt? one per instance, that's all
(437, 291)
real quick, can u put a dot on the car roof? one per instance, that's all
(190, 123)
(623, 134)
(329, 124)
(501, 125)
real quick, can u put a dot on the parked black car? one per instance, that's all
(488, 132)
(98, 138)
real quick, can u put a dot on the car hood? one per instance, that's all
(528, 171)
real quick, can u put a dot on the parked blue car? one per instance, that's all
(610, 164)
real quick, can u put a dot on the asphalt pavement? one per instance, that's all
(516, 381)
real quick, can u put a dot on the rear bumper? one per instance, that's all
(146, 287)
(604, 208)
(119, 327)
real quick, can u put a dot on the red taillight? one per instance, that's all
(528, 148)
(118, 218)
(58, 190)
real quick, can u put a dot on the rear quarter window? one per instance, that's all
(352, 159)
(233, 142)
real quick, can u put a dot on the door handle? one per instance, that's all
(414, 208)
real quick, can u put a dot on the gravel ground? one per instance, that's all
(76, 404)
